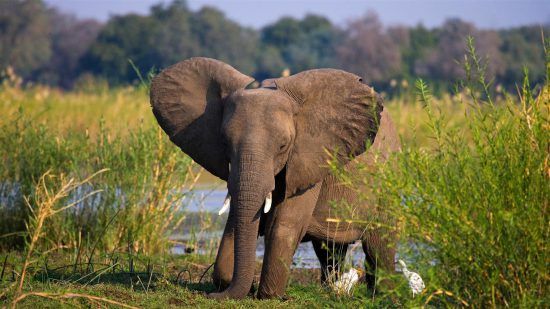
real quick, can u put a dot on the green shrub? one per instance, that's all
(472, 207)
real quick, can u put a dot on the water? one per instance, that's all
(211, 201)
(197, 201)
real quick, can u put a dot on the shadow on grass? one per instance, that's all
(135, 281)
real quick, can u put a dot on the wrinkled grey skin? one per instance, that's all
(277, 139)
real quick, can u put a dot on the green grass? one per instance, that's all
(170, 281)
(164, 295)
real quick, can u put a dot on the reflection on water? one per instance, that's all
(303, 258)
(200, 204)
(212, 200)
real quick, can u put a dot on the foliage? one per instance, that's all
(169, 34)
(369, 51)
(472, 206)
(24, 42)
(141, 199)
(521, 49)
(46, 46)
(470, 193)
(70, 39)
(124, 37)
(302, 44)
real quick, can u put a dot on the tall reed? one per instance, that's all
(142, 197)
(50, 199)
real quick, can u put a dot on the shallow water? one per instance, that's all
(197, 201)
(211, 201)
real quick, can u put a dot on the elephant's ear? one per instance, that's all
(187, 101)
(337, 115)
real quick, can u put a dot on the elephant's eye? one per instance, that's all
(282, 147)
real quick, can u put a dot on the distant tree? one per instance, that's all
(368, 50)
(441, 62)
(269, 63)
(24, 36)
(400, 35)
(127, 37)
(445, 61)
(419, 42)
(70, 39)
(47, 46)
(487, 44)
(283, 33)
(174, 40)
(171, 33)
(522, 47)
(302, 44)
(320, 39)
(224, 39)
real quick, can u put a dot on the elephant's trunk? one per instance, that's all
(250, 181)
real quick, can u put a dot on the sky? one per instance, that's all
(483, 13)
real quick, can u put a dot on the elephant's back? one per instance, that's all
(385, 142)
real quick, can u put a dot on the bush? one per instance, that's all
(472, 207)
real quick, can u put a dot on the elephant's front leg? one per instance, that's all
(223, 268)
(285, 229)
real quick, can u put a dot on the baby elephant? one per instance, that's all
(273, 143)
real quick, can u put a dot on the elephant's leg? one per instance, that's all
(223, 268)
(331, 256)
(379, 248)
(285, 229)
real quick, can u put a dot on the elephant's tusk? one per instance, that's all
(268, 201)
(226, 204)
(227, 200)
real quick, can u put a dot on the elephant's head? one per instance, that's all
(285, 130)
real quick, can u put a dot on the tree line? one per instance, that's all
(46, 46)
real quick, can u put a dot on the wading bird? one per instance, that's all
(346, 282)
(415, 281)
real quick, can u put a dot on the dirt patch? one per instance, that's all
(114, 293)
(304, 276)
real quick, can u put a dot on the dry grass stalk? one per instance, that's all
(45, 201)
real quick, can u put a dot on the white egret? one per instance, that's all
(346, 282)
(415, 281)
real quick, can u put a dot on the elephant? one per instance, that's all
(273, 142)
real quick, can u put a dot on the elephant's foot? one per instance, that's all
(286, 227)
(226, 295)
(262, 294)
(219, 295)
(221, 282)
(231, 293)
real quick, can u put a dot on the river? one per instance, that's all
(210, 200)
